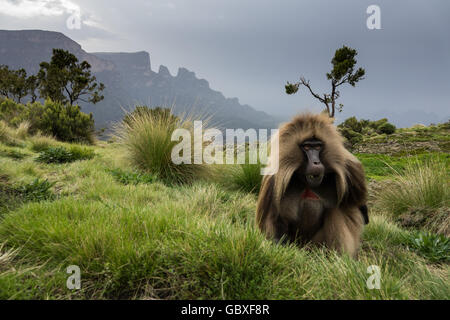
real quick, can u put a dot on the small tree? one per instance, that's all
(66, 80)
(5, 78)
(343, 66)
(19, 86)
(32, 85)
(14, 84)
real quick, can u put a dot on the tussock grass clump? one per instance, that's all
(4, 132)
(247, 177)
(6, 256)
(7, 135)
(23, 130)
(420, 185)
(146, 137)
(41, 142)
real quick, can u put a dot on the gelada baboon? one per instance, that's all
(319, 193)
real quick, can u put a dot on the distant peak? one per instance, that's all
(185, 73)
(134, 60)
(163, 71)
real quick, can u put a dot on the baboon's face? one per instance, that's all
(312, 170)
(315, 179)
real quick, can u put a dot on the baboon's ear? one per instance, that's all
(365, 213)
(356, 184)
(265, 208)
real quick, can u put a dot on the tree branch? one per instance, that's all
(304, 82)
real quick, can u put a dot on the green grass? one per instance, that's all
(60, 154)
(8, 135)
(136, 237)
(418, 196)
(247, 177)
(381, 166)
(41, 143)
(12, 196)
(147, 140)
(435, 248)
(13, 153)
(419, 185)
(438, 132)
(37, 190)
(4, 132)
(128, 177)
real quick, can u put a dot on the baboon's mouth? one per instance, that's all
(308, 194)
(314, 180)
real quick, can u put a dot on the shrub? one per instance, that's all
(147, 140)
(352, 129)
(64, 122)
(434, 247)
(63, 155)
(351, 136)
(34, 113)
(386, 128)
(55, 155)
(11, 112)
(421, 188)
(352, 124)
(377, 123)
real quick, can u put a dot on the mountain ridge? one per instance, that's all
(129, 80)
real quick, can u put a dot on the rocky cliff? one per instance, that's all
(129, 80)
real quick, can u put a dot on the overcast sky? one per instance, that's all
(250, 48)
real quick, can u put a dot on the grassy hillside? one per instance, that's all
(134, 236)
(418, 139)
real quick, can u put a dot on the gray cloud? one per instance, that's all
(249, 49)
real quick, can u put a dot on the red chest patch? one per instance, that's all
(308, 194)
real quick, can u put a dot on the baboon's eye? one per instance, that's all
(318, 147)
(306, 147)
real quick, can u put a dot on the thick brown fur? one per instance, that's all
(342, 223)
